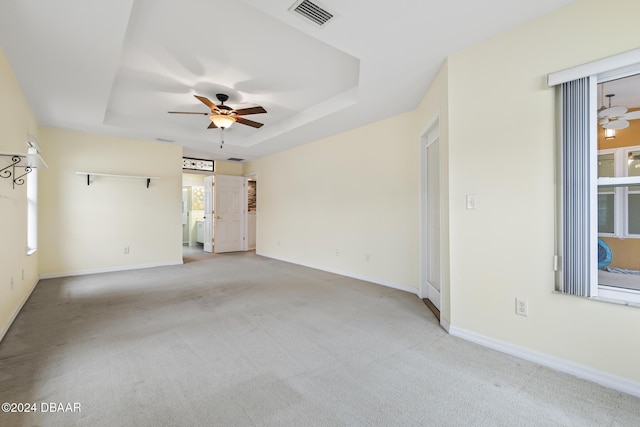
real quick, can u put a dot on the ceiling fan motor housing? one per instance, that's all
(223, 116)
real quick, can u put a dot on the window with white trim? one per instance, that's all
(599, 179)
(32, 203)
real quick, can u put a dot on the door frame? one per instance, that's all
(428, 136)
(254, 176)
(243, 221)
(209, 218)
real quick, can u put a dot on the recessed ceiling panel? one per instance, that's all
(174, 50)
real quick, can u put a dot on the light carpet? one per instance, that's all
(242, 340)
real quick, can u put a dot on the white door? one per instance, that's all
(230, 200)
(433, 221)
(208, 214)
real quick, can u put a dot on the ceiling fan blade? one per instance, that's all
(249, 122)
(615, 111)
(603, 121)
(210, 104)
(616, 124)
(251, 110)
(212, 126)
(632, 115)
(186, 112)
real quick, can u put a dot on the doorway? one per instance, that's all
(214, 213)
(193, 193)
(430, 218)
(252, 205)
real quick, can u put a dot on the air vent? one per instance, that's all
(235, 159)
(165, 139)
(311, 11)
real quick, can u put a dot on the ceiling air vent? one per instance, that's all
(235, 159)
(311, 11)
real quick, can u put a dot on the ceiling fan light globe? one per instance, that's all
(609, 133)
(222, 121)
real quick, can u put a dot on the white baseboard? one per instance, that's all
(6, 327)
(373, 280)
(608, 380)
(106, 270)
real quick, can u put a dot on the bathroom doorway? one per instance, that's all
(252, 204)
(193, 195)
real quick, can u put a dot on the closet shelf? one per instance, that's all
(110, 175)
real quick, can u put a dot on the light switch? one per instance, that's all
(471, 201)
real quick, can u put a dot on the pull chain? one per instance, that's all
(221, 137)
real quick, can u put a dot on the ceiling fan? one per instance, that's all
(616, 117)
(223, 116)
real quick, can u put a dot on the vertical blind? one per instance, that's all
(575, 189)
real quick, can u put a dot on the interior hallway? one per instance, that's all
(239, 339)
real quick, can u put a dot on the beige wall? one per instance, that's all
(229, 168)
(354, 194)
(191, 179)
(16, 122)
(348, 193)
(501, 146)
(86, 228)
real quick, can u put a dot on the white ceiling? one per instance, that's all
(117, 66)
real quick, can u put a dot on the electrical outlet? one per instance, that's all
(522, 307)
(367, 257)
(126, 250)
(337, 253)
(11, 282)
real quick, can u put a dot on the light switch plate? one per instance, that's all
(471, 201)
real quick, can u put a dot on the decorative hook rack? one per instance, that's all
(17, 161)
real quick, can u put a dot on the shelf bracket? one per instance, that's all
(9, 172)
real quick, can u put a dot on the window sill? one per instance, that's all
(618, 295)
(605, 299)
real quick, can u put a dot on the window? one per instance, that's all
(32, 202)
(619, 205)
(606, 195)
(599, 179)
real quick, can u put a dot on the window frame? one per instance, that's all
(599, 71)
(32, 200)
(598, 291)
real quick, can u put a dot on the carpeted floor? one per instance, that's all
(241, 340)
